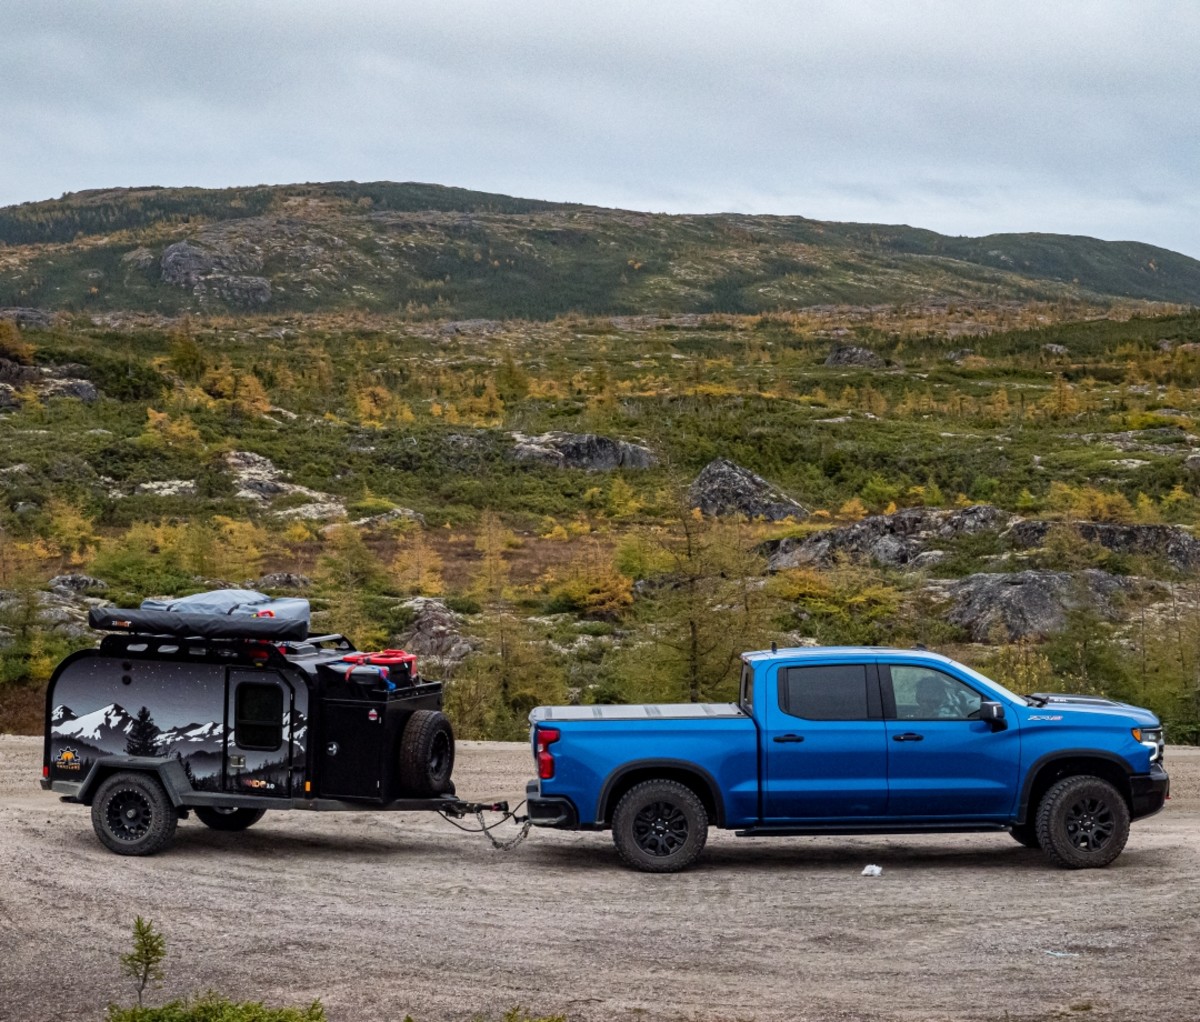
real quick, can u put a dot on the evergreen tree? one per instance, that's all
(143, 735)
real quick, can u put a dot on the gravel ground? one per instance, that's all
(382, 915)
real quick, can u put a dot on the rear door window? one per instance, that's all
(825, 692)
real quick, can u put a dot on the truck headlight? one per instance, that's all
(1152, 739)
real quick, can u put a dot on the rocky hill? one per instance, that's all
(454, 253)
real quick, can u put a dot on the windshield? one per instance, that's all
(991, 681)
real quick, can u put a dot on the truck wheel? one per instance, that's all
(221, 818)
(1082, 823)
(660, 827)
(132, 815)
(426, 754)
(1025, 834)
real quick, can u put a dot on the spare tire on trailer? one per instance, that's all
(426, 757)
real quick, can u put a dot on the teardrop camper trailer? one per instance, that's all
(187, 709)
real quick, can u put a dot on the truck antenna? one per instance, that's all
(774, 647)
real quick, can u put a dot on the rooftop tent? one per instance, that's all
(221, 614)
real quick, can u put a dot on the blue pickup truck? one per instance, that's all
(851, 741)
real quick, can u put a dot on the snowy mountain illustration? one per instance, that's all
(61, 715)
(188, 738)
(105, 728)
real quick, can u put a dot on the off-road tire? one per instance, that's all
(660, 827)
(219, 818)
(1025, 834)
(132, 814)
(1082, 822)
(426, 757)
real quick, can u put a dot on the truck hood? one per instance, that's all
(1100, 705)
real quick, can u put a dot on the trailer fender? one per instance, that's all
(170, 773)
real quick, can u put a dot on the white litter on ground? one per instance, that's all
(873, 871)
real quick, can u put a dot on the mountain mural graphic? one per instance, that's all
(106, 731)
(106, 728)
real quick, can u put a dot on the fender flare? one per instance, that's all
(1049, 758)
(673, 765)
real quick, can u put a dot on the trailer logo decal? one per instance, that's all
(68, 759)
(254, 782)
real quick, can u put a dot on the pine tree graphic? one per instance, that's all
(143, 735)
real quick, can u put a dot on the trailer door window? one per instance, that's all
(259, 719)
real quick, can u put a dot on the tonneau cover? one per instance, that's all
(645, 711)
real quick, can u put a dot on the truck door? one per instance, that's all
(258, 746)
(825, 747)
(943, 760)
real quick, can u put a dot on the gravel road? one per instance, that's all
(382, 915)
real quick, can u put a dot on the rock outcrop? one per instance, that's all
(1029, 604)
(257, 478)
(61, 613)
(587, 451)
(283, 580)
(40, 318)
(905, 537)
(44, 381)
(725, 488)
(435, 635)
(1171, 543)
(220, 268)
(853, 355)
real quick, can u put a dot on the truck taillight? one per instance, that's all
(546, 736)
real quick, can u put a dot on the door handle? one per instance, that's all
(908, 736)
(788, 738)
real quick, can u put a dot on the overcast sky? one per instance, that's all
(964, 117)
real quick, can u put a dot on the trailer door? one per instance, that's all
(258, 743)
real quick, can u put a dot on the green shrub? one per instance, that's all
(214, 1008)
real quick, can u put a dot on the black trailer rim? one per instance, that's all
(129, 815)
(1090, 824)
(439, 753)
(660, 829)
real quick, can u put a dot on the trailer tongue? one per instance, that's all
(228, 715)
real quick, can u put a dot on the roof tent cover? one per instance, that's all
(198, 625)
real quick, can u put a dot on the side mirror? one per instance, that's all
(993, 714)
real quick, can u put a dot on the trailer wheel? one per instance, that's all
(426, 757)
(221, 818)
(132, 815)
(660, 827)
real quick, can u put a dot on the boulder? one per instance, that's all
(62, 613)
(1171, 543)
(187, 262)
(140, 258)
(39, 318)
(1055, 350)
(283, 580)
(893, 540)
(853, 355)
(76, 583)
(587, 451)
(243, 291)
(435, 635)
(1029, 604)
(725, 488)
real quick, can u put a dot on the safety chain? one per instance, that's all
(512, 842)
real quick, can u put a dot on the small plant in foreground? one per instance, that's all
(144, 963)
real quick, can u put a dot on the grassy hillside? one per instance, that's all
(439, 252)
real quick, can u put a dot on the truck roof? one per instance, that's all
(823, 652)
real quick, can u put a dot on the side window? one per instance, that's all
(925, 694)
(825, 692)
(747, 700)
(259, 719)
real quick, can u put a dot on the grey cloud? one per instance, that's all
(1076, 117)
